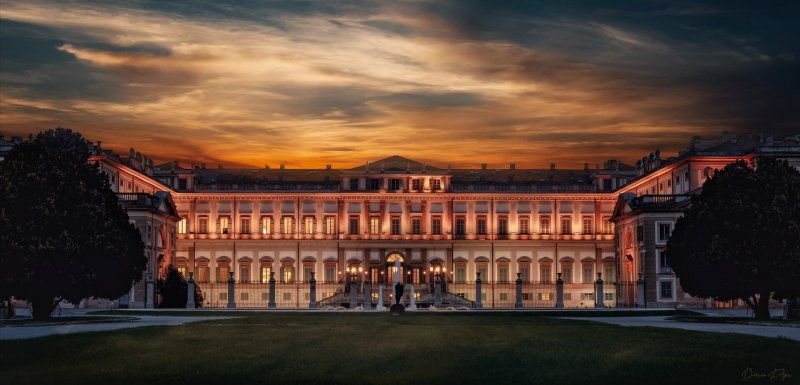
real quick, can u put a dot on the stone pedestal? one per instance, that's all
(380, 306)
(367, 295)
(231, 292)
(640, 294)
(559, 292)
(518, 302)
(190, 292)
(353, 294)
(437, 292)
(312, 292)
(599, 297)
(149, 292)
(478, 303)
(271, 303)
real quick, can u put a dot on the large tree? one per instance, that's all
(63, 234)
(174, 290)
(741, 237)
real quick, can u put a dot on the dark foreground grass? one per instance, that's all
(347, 348)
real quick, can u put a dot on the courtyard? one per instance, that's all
(378, 348)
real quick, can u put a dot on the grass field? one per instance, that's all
(422, 348)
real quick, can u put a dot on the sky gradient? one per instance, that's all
(458, 82)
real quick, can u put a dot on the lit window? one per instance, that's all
(308, 225)
(330, 225)
(266, 225)
(544, 225)
(182, 226)
(224, 224)
(374, 225)
(287, 225)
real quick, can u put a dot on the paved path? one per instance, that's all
(663, 322)
(25, 332)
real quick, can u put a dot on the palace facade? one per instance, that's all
(597, 232)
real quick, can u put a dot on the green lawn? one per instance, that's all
(422, 348)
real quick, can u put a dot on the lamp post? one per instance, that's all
(437, 288)
(353, 285)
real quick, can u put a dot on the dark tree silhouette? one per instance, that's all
(63, 234)
(174, 290)
(741, 237)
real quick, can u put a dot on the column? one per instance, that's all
(231, 294)
(271, 304)
(559, 292)
(598, 299)
(367, 295)
(518, 303)
(478, 281)
(640, 300)
(312, 296)
(190, 292)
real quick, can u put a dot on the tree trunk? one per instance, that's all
(42, 308)
(762, 307)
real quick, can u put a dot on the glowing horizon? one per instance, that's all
(312, 83)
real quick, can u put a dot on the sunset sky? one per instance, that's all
(460, 82)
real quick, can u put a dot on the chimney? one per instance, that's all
(586, 168)
(203, 166)
(266, 166)
(512, 166)
(328, 166)
(724, 136)
(283, 166)
(552, 166)
(99, 142)
(483, 166)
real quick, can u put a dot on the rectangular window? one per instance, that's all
(664, 231)
(202, 274)
(461, 273)
(608, 226)
(265, 274)
(416, 184)
(663, 265)
(182, 271)
(502, 226)
(287, 274)
(307, 270)
(374, 225)
(416, 226)
(374, 184)
(502, 273)
(330, 225)
(394, 184)
(181, 184)
(588, 274)
(544, 273)
(525, 272)
(666, 289)
(330, 274)
(587, 226)
(436, 184)
(523, 226)
(354, 184)
(608, 273)
(202, 225)
(587, 296)
(461, 227)
(266, 225)
(544, 225)
(244, 274)
(182, 226)
(287, 296)
(308, 225)
(483, 269)
(544, 296)
(640, 233)
(566, 273)
(566, 225)
(481, 226)
(245, 226)
(395, 226)
(504, 296)
(224, 225)
(436, 226)
(608, 296)
(287, 225)
(353, 225)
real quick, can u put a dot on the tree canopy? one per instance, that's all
(741, 237)
(63, 234)
(174, 290)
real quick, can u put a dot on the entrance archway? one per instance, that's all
(391, 268)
